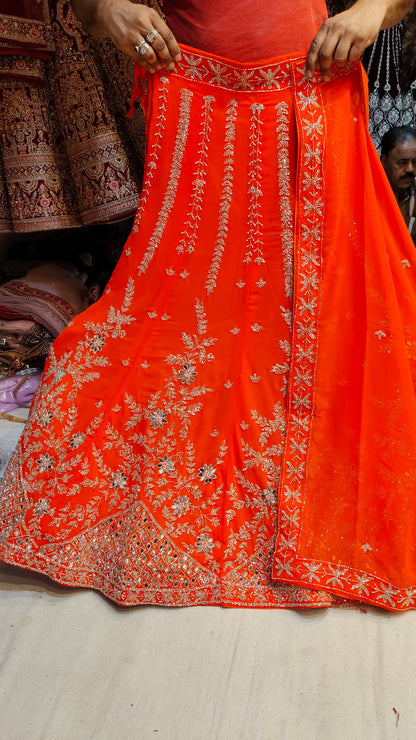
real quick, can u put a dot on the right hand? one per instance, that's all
(128, 25)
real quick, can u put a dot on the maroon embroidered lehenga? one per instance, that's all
(69, 154)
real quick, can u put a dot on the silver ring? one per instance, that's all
(152, 35)
(142, 48)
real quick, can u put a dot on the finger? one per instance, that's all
(313, 53)
(165, 50)
(145, 54)
(155, 50)
(342, 53)
(356, 51)
(326, 57)
(168, 39)
(335, 49)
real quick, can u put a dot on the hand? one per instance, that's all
(344, 37)
(128, 25)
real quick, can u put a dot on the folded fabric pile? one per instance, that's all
(30, 320)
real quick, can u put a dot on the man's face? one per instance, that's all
(400, 164)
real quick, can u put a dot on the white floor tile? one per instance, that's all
(75, 666)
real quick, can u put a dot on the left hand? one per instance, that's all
(344, 37)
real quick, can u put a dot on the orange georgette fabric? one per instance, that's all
(234, 422)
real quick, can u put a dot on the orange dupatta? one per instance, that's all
(347, 495)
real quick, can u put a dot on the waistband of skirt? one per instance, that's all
(213, 71)
(268, 74)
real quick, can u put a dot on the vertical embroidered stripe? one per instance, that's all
(309, 234)
(175, 172)
(255, 223)
(154, 150)
(188, 236)
(286, 213)
(226, 195)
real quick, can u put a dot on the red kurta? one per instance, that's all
(245, 31)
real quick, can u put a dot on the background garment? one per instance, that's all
(69, 154)
(18, 391)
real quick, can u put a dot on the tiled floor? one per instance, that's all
(75, 666)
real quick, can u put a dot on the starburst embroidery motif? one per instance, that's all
(220, 76)
(313, 570)
(192, 70)
(244, 80)
(308, 100)
(361, 585)
(270, 78)
(314, 128)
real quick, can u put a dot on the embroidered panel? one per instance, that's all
(308, 265)
(154, 150)
(139, 479)
(254, 242)
(34, 32)
(173, 182)
(232, 76)
(189, 234)
(286, 212)
(151, 464)
(290, 563)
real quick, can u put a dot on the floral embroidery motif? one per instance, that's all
(227, 193)
(155, 150)
(175, 173)
(255, 219)
(231, 77)
(286, 215)
(189, 234)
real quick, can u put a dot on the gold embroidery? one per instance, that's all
(175, 172)
(156, 145)
(188, 236)
(255, 220)
(286, 215)
(226, 194)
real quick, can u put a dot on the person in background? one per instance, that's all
(398, 156)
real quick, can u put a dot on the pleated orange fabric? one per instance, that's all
(233, 423)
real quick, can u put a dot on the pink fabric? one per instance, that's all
(18, 391)
(224, 28)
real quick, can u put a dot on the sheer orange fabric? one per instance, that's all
(234, 421)
(348, 504)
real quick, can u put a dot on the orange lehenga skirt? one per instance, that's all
(234, 422)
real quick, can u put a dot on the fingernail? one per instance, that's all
(177, 58)
(171, 66)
